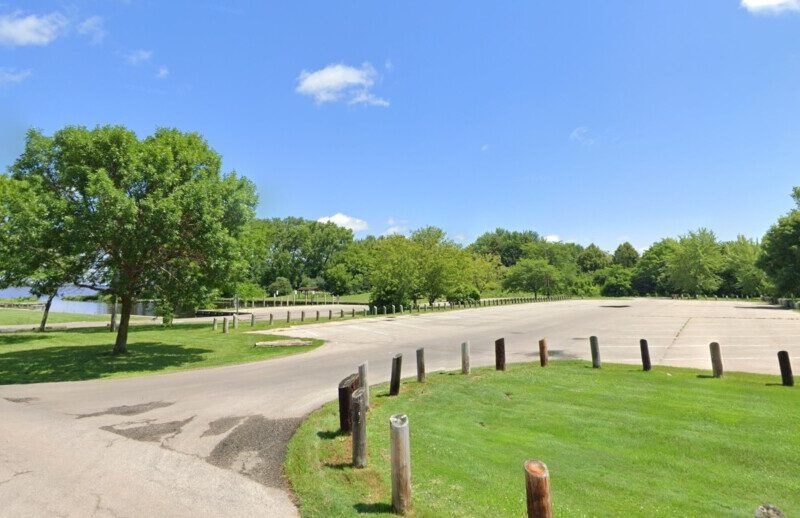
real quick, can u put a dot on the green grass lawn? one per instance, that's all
(617, 442)
(10, 317)
(81, 354)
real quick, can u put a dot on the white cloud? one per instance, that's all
(12, 75)
(553, 238)
(354, 224)
(485, 148)
(581, 136)
(395, 230)
(459, 238)
(771, 6)
(93, 29)
(341, 82)
(138, 56)
(162, 73)
(17, 30)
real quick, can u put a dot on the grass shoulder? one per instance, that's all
(617, 441)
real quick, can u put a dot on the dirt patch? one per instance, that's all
(256, 448)
(155, 432)
(221, 425)
(293, 342)
(128, 409)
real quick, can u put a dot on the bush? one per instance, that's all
(281, 285)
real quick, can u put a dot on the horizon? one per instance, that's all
(587, 123)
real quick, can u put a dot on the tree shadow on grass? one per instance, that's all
(18, 338)
(328, 435)
(376, 508)
(84, 362)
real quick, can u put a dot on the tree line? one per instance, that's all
(157, 218)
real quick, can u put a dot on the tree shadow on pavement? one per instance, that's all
(85, 362)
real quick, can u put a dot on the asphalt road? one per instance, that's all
(210, 442)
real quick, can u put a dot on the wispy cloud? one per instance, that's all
(771, 6)
(553, 238)
(93, 29)
(485, 148)
(162, 73)
(339, 82)
(18, 30)
(138, 57)
(582, 136)
(396, 226)
(12, 75)
(343, 220)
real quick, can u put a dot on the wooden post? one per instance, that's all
(421, 365)
(363, 383)
(252, 320)
(394, 385)
(465, 357)
(341, 313)
(235, 321)
(645, 355)
(288, 316)
(786, 369)
(401, 309)
(595, 346)
(500, 354)
(537, 487)
(330, 314)
(543, 356)
(716, 359)
(359, 422)
(353, 312)
(317, 315)
(270, 319)
(401, 463)
(225, 325)
(346, 388)
(214, 324)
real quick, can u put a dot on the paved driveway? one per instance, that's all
(210, 442)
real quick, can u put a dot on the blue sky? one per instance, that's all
(592, 121)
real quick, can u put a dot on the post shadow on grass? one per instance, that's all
(85, 362)
(327, 435)
(374, 508)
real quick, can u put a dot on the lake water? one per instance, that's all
(72, 306)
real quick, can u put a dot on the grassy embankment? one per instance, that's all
(81, 354)
(617, 441)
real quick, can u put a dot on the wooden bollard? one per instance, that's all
(465, 357)
(394, 385)
(363, 369)
(214, 325)
(543, 355)
(595, 347)
(787, 379)
(500, 354)
(346, 388)
(330, 314)
(716, 359)
(225, 325)
(392, 309)
(252, 320)
(646, 366)
(353, 313)
(235, 321)
(341, 313)
(317, 315)
(358, 419)
(421, 365)
(401, 463)
(270, 319)
(537, 487)
(288, 316)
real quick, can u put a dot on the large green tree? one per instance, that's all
(395, 274)
(650, 274)
(626, 255)
(152, 217)
(508, 245)
(696, 264)
(781, 251)
(592, 258)
(533, 275)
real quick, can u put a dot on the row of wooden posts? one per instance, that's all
(385, 310)
(354, 405)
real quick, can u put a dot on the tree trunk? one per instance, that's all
(113, 326)
(121, 344)
(46, 311)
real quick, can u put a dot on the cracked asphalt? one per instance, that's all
(211, 442)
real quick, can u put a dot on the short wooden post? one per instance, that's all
(270, 319)
(786, 369)
(288, 316)
(302, 315)
(317, 315)
(537, 487)
(500, 354)
(392, 309)
(214, 325)
(716, 359)
(465, 357)
(330, 314)
(359, 422)
(421, 365)
(646, 366)
(341, 313)
(225, 325)
(543, 356)
(353, 313)
(401, 463)
(346, 388)
(363, 369)
(595, 347)
(394, 385)
(252, 320)
(235, 321)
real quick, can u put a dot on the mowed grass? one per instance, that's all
(82, 354)
(617, 442)
(11, 317)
